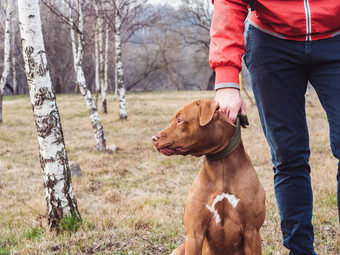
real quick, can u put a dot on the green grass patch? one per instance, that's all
(4, 251)
(173, 161)
(328, 200)
(33, 234)
(70, 223)
(11, 98)
(331, 200)
(7, 243)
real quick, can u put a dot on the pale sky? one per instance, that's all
(170, 2)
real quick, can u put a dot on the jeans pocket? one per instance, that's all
(248, 46)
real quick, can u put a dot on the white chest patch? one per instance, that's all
(232, 199)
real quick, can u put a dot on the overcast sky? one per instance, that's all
(171, 2)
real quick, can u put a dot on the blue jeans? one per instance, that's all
(279, 71)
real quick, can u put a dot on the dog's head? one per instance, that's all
(197, 129)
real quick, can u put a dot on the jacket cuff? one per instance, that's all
(227, 85)
(226, 74)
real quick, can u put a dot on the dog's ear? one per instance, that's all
(207, 111)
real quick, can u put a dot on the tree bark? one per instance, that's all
(97, 54)
(116, 84)
(119, 64)
(7, 57)
(100, 58)
(77, 61)
(14, 73)
(106, 69)
(1, 108)
(102, 61)
(60, 198)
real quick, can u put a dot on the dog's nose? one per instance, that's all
(155, 138)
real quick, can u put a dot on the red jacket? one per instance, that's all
(298, 20)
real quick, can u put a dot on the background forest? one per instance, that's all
(164, 47)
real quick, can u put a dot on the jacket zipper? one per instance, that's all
(308, 21)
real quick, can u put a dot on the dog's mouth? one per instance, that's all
(176, 151)
(168, 147)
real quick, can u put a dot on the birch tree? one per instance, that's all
(7, 57)
(77, 50)
(125, 23)
(60, 197)
(118, 62)
(106, 68)
(101, 51)
(103, 48)
(97, 51)
(101, 28)
(13, 56)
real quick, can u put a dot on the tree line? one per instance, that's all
(163, 47)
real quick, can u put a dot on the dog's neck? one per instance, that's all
(229, 138)
(224, 170)
(233, 143)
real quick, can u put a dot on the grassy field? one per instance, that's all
(132, 201)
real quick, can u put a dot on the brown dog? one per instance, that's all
(226, 203)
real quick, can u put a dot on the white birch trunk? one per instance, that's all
(97, 55)
(102, 68)
(7, 57)
(106, 68)
(101, 60)
(309, 99)
(116, 88)
(77, 61)
(119, 64)
(99, 48)
(53, 159)
(14, 71)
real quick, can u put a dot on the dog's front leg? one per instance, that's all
(252, 242)
(197, 220)
(194, 244)
(179, 250)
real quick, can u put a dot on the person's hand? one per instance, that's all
(231, 103)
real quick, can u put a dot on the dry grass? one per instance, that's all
(132, 201)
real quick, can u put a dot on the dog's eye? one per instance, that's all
(179, 120)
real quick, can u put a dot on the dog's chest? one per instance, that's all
(224, 228)
(222, 206)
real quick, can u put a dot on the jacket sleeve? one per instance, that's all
(227, 41)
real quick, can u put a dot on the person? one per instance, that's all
(288, 44)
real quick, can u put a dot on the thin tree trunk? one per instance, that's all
(76, 88)
(105, 69)
(97, 71)
(14, 73)
(119, 64)
(309, 99)
(97, 50)
(77, 61)
(1, 108)
(100, 59)
(7, 57)
(116, 86)
(53, 158)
